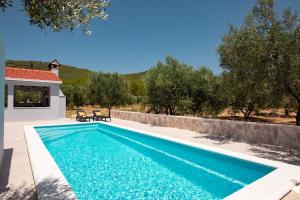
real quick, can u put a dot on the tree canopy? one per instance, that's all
(167, 85)
(108, 90)
(59, 15)
(262, 58)
(177, 88)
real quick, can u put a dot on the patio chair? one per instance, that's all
(82, 116)
(98, 115)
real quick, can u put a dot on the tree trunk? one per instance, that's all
(167, 111)
(298, 113)
(109, 109)
(249, 110)
(286, 111)
(247, 114)
(172, 111)
(297, 97)
(298, 117)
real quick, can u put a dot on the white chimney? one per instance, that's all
(54, 67)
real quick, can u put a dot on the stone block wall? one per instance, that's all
(281, 135)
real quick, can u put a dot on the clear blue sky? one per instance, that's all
(137, 34)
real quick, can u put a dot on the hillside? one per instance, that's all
(69, 74)
(134, 76)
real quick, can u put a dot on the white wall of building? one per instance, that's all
(62, 104)
(53, 112)
(2, 74)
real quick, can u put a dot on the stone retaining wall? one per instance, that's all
(282, 135)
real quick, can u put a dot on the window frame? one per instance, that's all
(45, 98)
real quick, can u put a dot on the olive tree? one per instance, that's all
(263, 57)
(167, 85)
(217, 99)
(286, 59)
(59, 15)
(108, 90)
(177, 88)
(75, 94)
(205, 93)
(241, 57)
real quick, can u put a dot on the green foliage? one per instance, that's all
(241, 56)
(289, 104)
(176, 88)
(108, 90)
(62, 15)
(203, 92)
(4, 4)
(261, 59)
(285, 63)
(206, 93)
(136, 83)
(167, 85)
(76, 95)
(246, 97)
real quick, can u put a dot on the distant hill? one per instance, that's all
(134, 76)
(69, 74)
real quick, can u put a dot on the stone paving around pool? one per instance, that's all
(16, 180)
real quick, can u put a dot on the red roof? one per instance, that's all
(30, 74)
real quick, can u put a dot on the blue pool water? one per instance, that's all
(105, 162)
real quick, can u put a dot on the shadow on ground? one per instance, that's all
(54, 189)
(20, 192)
(288, 155)
(50, 189)
(272, 152)
(4, 173)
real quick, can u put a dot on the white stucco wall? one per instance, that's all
(1, 101)
(62, 109)
(29, 114)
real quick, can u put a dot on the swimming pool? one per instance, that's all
(101, 161)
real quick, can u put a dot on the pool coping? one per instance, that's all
(48, 178)
(274, 185)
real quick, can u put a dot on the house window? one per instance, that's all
(6, 93)
(31, 96)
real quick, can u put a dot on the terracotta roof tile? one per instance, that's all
(31, 74)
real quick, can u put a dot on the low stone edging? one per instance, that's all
(275, 134)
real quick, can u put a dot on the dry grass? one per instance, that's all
(274, 116)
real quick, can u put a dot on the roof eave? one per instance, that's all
(32, 80)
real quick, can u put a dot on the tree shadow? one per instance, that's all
(54, 189)
(12, 192)
(272, 152)
(278, 153)
(219, 139)
(20, 192)
(4, 173)
(47, 189)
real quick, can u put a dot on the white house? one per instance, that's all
(33, 94)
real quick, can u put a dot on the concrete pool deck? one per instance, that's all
(16, 180)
